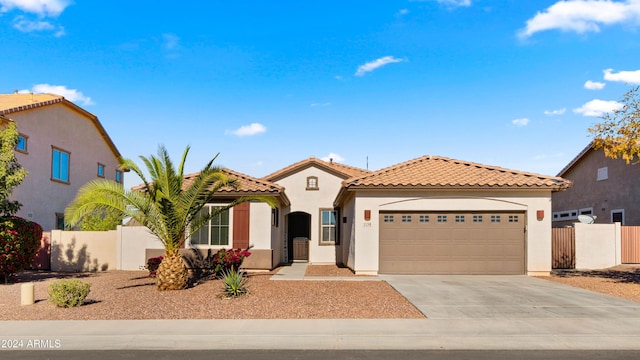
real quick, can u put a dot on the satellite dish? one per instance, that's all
(587, 219)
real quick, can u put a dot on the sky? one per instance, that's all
(509, 83)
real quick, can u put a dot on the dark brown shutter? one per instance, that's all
(241, 225)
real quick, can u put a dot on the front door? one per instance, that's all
(299, 230)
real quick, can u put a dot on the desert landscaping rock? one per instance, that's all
(133, 295)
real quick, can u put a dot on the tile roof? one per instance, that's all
(441, 172)
(247, 185)
(10, 103)
(341, 170)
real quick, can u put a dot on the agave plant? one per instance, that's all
(166, 204)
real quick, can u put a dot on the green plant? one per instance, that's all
(229, 260)
(19, 243)
(168, 205)
(234, 283)
(11, 172)
(153, 264)
(68, 292)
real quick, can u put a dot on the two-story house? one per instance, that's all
(62, 146)
(606, 188)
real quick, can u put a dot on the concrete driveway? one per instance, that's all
(506, 297)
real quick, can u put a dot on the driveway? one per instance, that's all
(506, 297)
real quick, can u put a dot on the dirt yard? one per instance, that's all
(133, 295)
(620, 281)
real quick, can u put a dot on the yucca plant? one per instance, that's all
(166, 204)
(234, 283)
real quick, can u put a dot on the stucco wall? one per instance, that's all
(365, 233)
(620, 191)
(57, 125)
(310, 202)
(598, 246)
(83, 250)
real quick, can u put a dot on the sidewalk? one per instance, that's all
(296, 271)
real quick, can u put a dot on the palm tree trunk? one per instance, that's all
(172, 272)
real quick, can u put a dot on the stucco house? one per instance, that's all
(603, 187)
(431, 215)
(62, 146)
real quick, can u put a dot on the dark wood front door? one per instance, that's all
(300, 249)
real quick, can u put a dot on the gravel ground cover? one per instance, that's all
(620, 281)
(133, 295)
(328, 270)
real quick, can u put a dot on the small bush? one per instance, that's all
(234, 282)
(153, 264)
(19, 243)
(228, 260)
(68, 292)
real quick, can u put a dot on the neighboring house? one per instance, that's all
(62, 146)
(430, 215)
(603, 187)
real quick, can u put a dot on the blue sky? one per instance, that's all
(268, 83)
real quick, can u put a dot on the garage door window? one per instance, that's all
(495, 218)
(424, 218)
(459, 218)
(513, 218)
(388, 218)
(442, 218)
(406, 218)
(477, 218)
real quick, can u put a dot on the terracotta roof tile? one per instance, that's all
(441, 172)
(10, 103)
(341, 170)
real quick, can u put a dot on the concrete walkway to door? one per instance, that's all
(297, 271)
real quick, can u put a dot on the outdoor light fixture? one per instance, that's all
(367, 215)
(540, 215)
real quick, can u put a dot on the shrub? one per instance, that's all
(19, 243)
(228, 260)
(68, 292)
(153, 264)
(234, 282)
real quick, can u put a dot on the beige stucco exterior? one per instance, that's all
(83, 250)
(311, 202)
(360, 237)
(619, 192)
(62, 126)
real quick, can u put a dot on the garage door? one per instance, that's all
(452, 243)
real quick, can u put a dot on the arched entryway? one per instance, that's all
(298, 234)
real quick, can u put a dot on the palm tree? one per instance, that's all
(166, 204)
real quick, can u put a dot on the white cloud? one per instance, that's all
(321, 104)
(72, 95)
(455, 3)
(170, 41)
(555, 112)
(598, 107)
(250, 130)
(582, 16)
(26, 25)
(333, 157)
(372, 65)
(520, 122)
(40, 7)
(402, 12)
(594, 85)
(631, 77)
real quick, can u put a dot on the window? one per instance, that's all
(477, 218)
(495, 218)
(586, 211)
(388, 218)
(513, 218)
(327, 227)
(603, 173)
(617, 216)
(459, 218)
(60, 165)
(119, 176)
(442, 218)
(100, 170)
(216, 231)
(406, 218)
(21, 145)
(59, 221)
(424, 218)
(312, 183)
